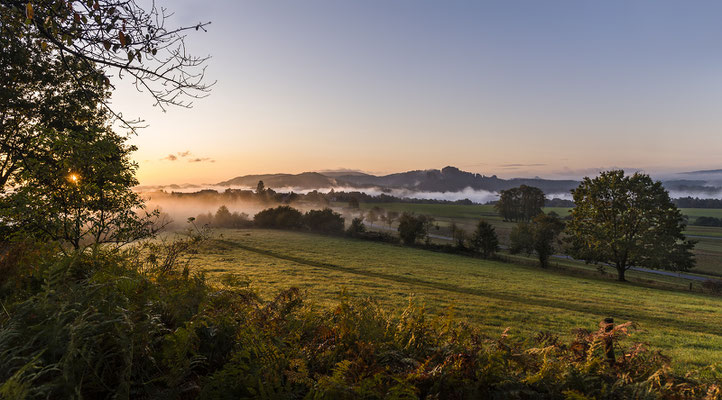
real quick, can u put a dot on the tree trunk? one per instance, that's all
(621, 269)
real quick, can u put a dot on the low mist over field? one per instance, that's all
(447, 184)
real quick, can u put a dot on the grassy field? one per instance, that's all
(708, 250)
(492, 295)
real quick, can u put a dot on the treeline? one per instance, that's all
(413, 229)
(695, 202)
(268, 195)
(707, 221)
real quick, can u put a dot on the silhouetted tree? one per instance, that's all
(281, 217)
(484, 239)
(459, 236)
(324, 221)
(357, 228)
(224, 218)
(628, 221)
(78, 190)
(115, 37)
(391, 217)
(373, 214)
(412, 227)
(353, 203)
(545, 230)
(520, 204)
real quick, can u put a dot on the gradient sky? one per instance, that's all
(513, 88)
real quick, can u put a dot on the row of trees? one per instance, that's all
(286, 217)
(484, 240)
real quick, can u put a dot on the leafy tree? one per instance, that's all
(69, 173)
(281, 217)
(521, 239)
(38, 98)
(324, 221)
(520, 204)
(224, 218)
(117, 37)
(545, 229)
(412, 227)
(484, 239)
(374, 214)
(77, 191)
(537, 236)
(459, 236)
(391, 217)
(628, 221)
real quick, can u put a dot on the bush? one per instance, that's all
(281, 217)
(484, 239)
(324, 221)
(713, 286)
(708, 221)
(357, 228)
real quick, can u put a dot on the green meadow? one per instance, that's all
(708, 250)
(493, 295)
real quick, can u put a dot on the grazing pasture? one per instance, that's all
(708, 250)
(493, 295)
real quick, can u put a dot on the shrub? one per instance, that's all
(713, 286)
(281, 217)
(708, 221)
(357, 228)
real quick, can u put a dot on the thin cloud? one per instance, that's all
(185, 153)
(170, 157)
(203, 159)
(521, 165)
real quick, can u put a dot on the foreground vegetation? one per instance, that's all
(142, 325)
(492, 295)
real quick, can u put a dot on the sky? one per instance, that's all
(556, 89)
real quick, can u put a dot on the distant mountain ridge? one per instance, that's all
(447, 179)
(305, 180)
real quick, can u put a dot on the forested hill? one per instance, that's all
(448, 179)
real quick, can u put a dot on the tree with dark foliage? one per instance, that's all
(411, 228)
(628, 221)
(281, 217)
(324, 221)
(545, 229)
(520, 204)
(484, 239)
(113, 36)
